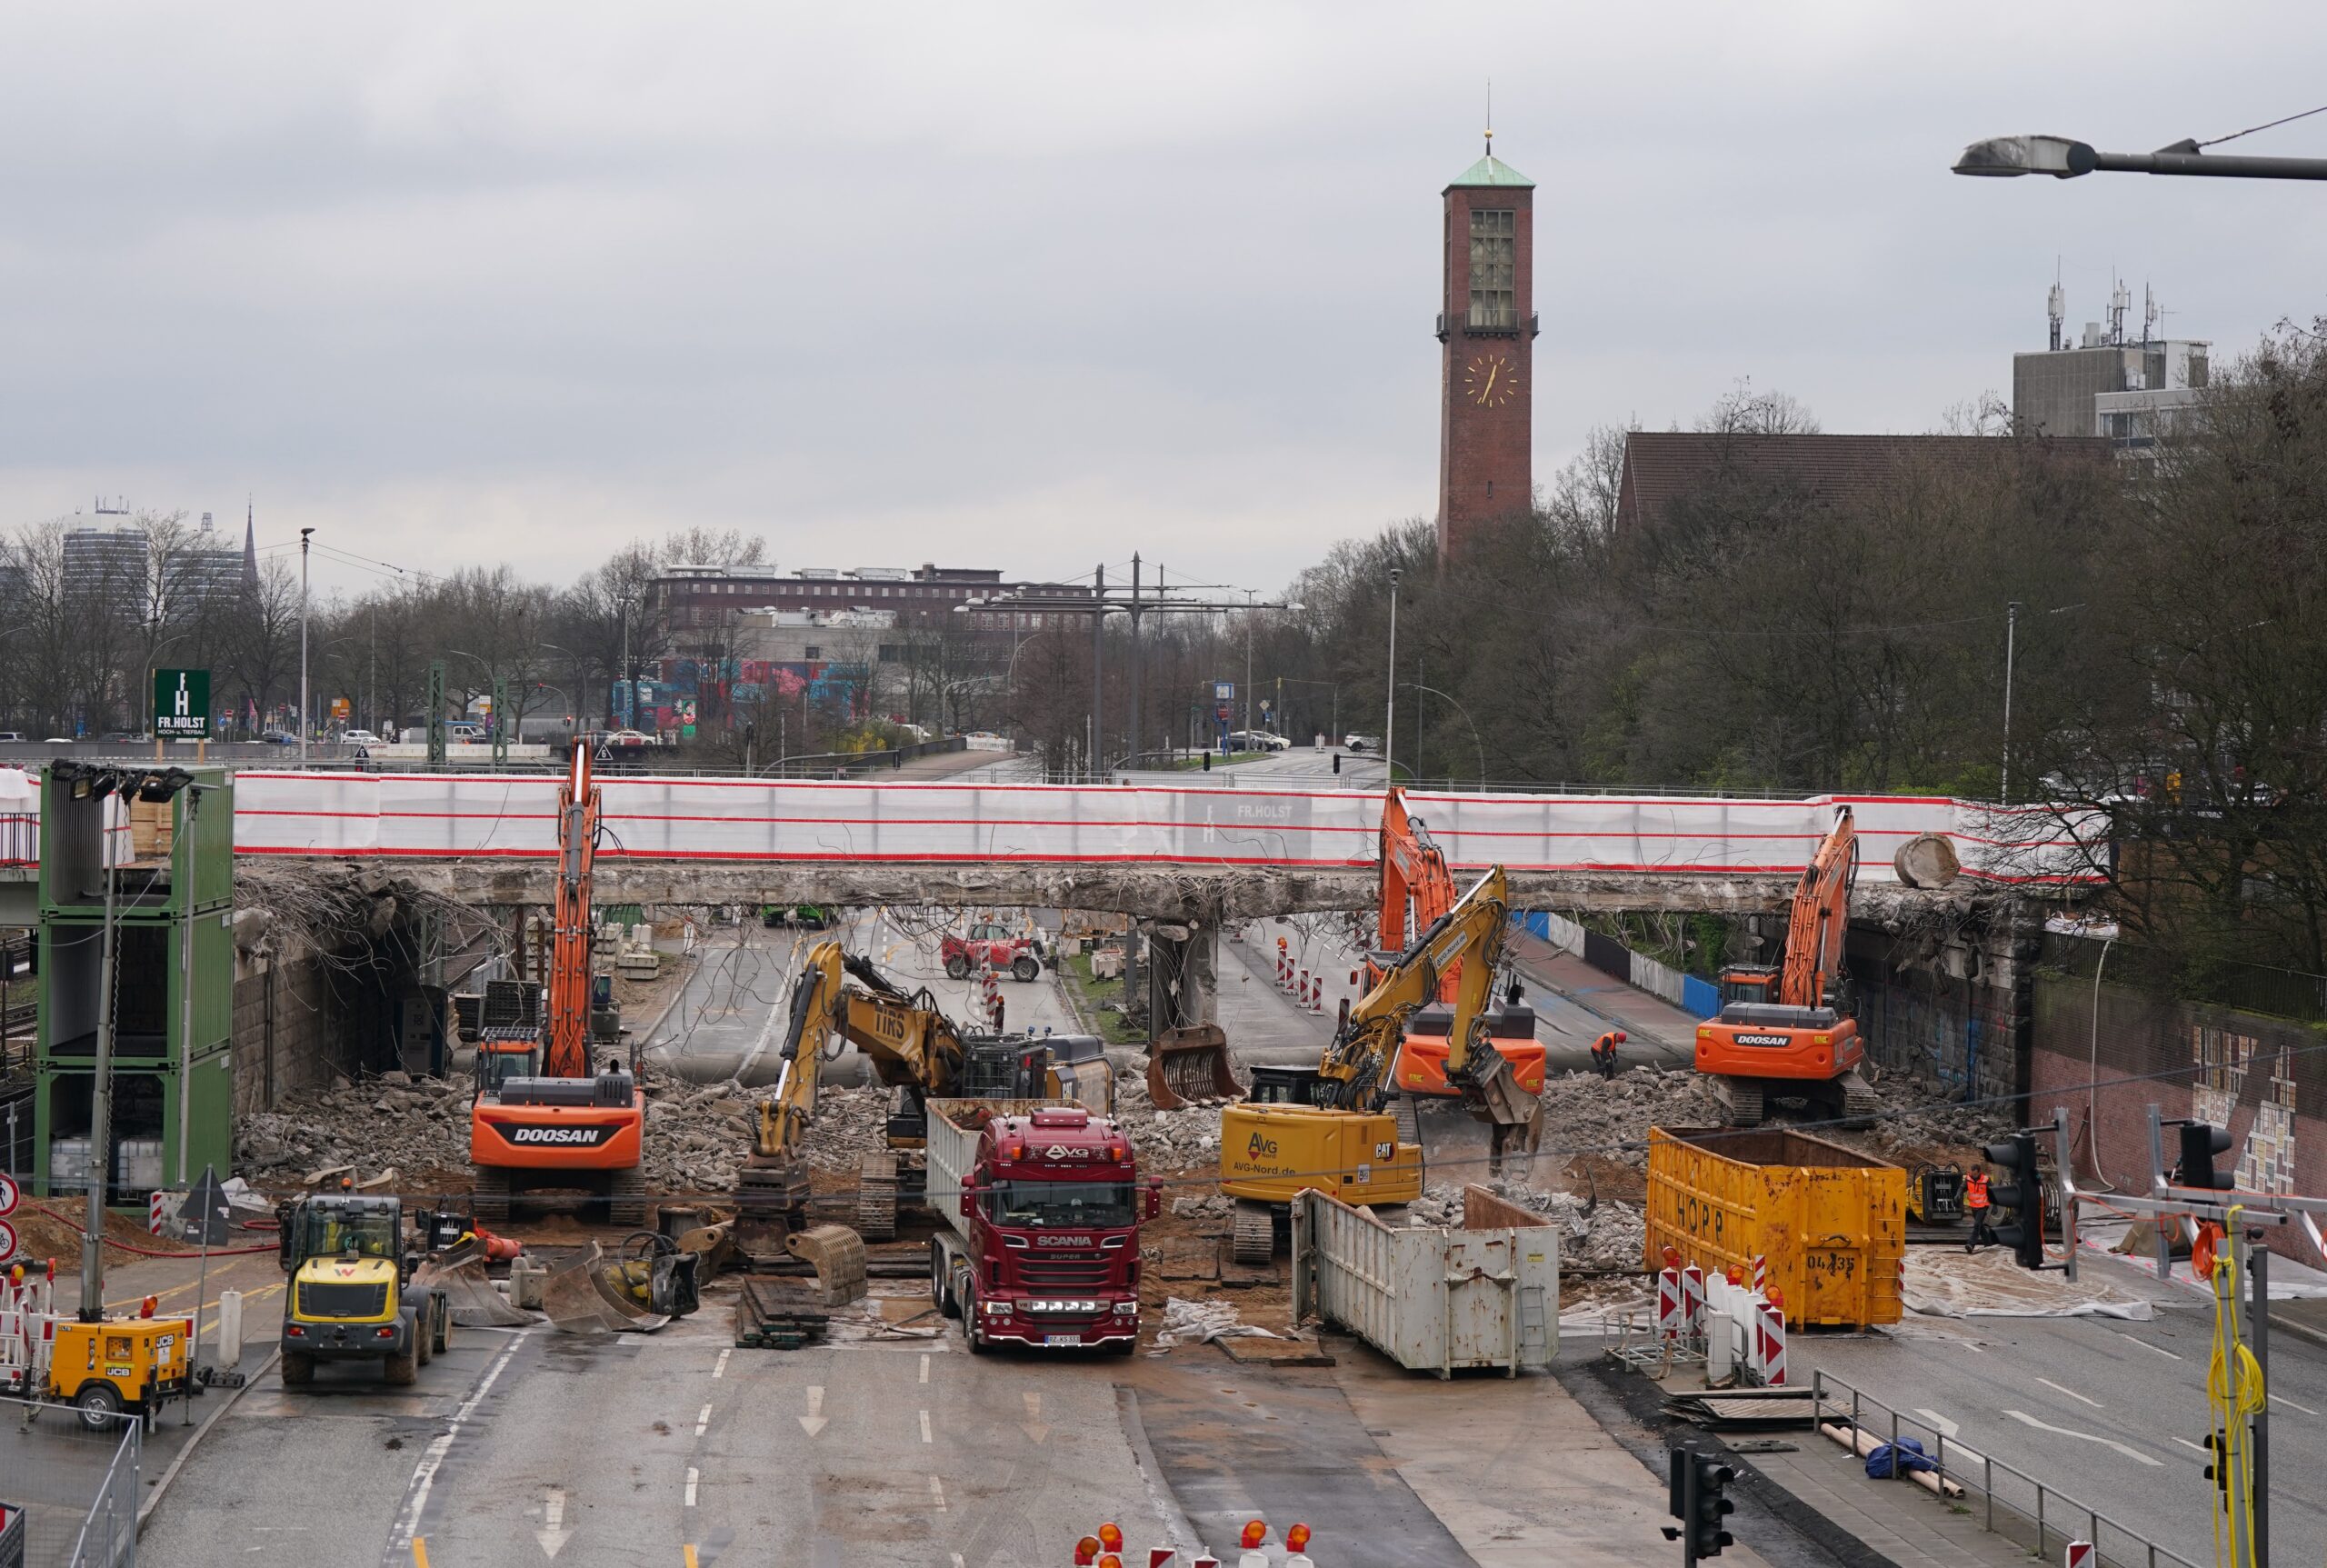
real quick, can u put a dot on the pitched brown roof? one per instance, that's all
(1661, 466)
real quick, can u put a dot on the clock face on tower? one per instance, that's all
(1490, 381)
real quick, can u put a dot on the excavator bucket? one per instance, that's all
(459, 1273)
(592, 1295)
(1190, 1066)
(837, 1255)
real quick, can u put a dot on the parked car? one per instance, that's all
(11, 735)
(1362, 743)
(360, 738)
(280, 738)
(630, 738)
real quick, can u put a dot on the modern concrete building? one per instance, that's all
(2126, 389)
(695, 596)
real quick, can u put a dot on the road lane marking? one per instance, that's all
(924, 1366)
(1939, 1423)
(2290, 1405)
(702, 1420)
(419, 1553)
(2072, 1393)
(553, 1532)
(692, 1474)
(2138, 1340)
(925, 1428)
(2130, 1452)
(719, 1369)
(1033, 1426)
(2193, 1447)
(815, 1421)
(937, 1494)
(432, 1459)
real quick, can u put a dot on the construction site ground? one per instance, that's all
(885, 1443)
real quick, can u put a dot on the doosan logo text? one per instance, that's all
(587, 1136)
(1763, 1040)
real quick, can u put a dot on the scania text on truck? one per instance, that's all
(1042, 1204)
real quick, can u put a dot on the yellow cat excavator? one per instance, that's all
(915, 1051)
(1328, 1127)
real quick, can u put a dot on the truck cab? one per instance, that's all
(350, 1295)
(1043, 1244)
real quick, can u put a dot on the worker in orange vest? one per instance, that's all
(1975, 1198)
(1603, 1051)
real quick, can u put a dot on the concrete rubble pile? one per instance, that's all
(1601, 1235)
(1586, 1114)
(394, 1119)
(1165, 1140)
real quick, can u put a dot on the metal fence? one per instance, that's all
(78, 1484)
(2011, 1502)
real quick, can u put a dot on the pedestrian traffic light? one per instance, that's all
(1696, 1499)
(2018, 1202)
(2200, 1141)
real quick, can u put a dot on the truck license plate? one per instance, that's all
(1062, 1339)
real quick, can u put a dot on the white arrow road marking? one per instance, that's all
(553, 1532)
(719, 1367)
(924, 1366)
(692, 1474)
(813, 1422)
(2072, 1393)
(1939, 1423)
(702, 1420)
(925, 1428)
(1033, 1426)
(937, 1494)
(2025, 1419)
(2290, 1405)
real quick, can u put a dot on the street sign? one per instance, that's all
(341, 708)
(1223, 691)
(181, 704)
(7, 1241)
(9, 1194)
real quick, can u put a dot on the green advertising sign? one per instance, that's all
(181, 704)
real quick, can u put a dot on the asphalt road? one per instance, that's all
(2112, 1412)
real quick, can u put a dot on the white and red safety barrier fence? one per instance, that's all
(1104, 1548)
(1741, 1330)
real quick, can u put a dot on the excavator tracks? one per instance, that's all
(1743, 1097)
(626, 1197)
(876, 1198)
(1254, 1239)
(1406, 1111)
(1860, 1106)
(489, 1197)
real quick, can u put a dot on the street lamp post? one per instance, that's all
(1390, 715)
(304, 532)
(2011, 635)
(1459, 708)
(2065, 158)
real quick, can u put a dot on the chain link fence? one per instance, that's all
(76, 1476)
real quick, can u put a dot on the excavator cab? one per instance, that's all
(505, 1052)
(1748, 982)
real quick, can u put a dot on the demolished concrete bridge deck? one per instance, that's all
(1159, 851)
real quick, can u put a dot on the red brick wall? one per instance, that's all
(2146, 1052)
(1484, 468)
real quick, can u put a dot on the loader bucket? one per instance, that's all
(459, 1273)
(587, 1296)
(1190, 1066)
(837, 1255)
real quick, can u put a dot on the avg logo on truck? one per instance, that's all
(586, 1137)
(1261, 1148)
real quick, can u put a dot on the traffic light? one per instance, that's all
(2200, 1141)
(2018, 1202)
(1697, 1484)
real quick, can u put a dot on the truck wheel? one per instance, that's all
(957, 967)
(977, 1343)
(1024, 970)
(1253, 1239)
(444, 1324)
(941, 1298)
(424, 1331)
(298, 1369)
(401, 1370)
(99, 1403)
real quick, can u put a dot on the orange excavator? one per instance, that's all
(564, 1127)
(1781, 1032)
(1413, 869)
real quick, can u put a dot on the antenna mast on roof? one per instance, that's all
(2121, 301)
(1490, 117)
(2056, 304)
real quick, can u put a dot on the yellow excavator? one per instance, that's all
(1328, 1127)
(915, 1051)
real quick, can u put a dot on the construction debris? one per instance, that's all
(776, 1313)
(1200, 1323)
(1601, 1233)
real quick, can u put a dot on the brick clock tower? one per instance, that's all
(1487, 322)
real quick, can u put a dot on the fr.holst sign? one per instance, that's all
(181, 704)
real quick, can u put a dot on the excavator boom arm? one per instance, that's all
(1413, 868)
(1472, 934)
(1820, 920)
(568, 1051)
(908, 1040)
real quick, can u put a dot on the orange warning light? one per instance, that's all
(1254, 1531)
(1297, 1538)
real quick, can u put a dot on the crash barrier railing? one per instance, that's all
(2011, 1503)
(76, 1474)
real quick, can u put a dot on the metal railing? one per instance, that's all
(77, 1475)
(2014, 1505)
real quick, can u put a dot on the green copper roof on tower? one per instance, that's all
(1490, 170)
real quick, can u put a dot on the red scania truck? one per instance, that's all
(1042, 1203)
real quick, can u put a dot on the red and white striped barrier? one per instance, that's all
(154, 1212)
(1760, 1274)
(2080, 1554)
(1317, 993)
(1671, 1312)
(1769, 1350)
(1693, 1299)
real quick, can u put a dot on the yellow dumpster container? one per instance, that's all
(1828, 1222)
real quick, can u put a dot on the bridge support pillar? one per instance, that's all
(1183, 972)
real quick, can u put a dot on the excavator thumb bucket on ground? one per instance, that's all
(1190, 1066)
(459, 1273)
(593, 1295)
(837, 1255)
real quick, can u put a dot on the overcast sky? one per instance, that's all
(1035, 286)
